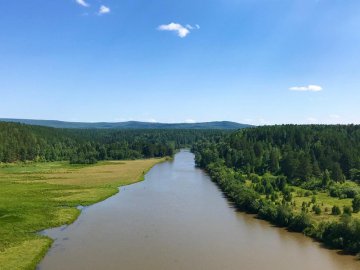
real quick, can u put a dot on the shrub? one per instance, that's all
(316, 209)
(347, 210)
(356, 204)
(336, 210)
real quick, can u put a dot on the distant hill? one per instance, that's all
(128, 125)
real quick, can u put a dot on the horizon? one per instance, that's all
(171, 123)
(253, 62)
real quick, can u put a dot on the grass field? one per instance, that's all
(36, 196)
(322, 199)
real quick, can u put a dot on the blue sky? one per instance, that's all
(251, 61)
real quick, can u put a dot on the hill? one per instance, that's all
(127, 125)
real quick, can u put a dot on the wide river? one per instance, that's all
(178, 219)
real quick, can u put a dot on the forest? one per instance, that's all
(304, 178)
(19, 142)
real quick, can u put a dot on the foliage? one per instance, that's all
(356, 204)
(283, 163)
(20, 142)
(336, 210)
(301, 153)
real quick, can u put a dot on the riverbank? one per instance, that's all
(38, 196)
(294, 208)
(178, 219)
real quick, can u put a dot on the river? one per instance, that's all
(178, 219)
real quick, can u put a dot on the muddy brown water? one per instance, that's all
(178, 219)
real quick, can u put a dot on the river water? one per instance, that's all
(178, 219)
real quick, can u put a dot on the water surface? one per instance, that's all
(178, 219)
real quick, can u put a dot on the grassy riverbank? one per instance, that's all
(36, 196)
(304, 177)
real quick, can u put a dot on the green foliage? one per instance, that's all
(20, 142)
(301, 153)
(300, 222)
(356, 204)
(347, 210)
(317, 159)
(343, 235)
(355, 175)
(343, 191)
(313, 199)
(316, 209)
(336, 210)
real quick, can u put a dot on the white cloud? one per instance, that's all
(309, 88)
(82, 3)
(152, 120)
(195, 27)
(181, 30)
(104, 10)
(190, 121)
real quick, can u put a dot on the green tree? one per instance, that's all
(356, 204)
(335, 210)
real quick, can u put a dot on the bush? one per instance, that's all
(356, 204)
(336, 210)
(343, 235)
(316, 209)
(300, 222)
(347, 210)
(313, 199)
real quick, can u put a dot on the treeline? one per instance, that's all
(259, 168)
(298, 152)
(19, 142)
(343, 234)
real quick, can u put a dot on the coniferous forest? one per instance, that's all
(19, 142)
(301, 177)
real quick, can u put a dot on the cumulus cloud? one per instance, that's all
(82, 3)
(176, 27)
(104, 10)
(309, 88)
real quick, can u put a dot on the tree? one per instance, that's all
(347, 210)
(336, 210)
(355, 175)
(356, 204)
(337, 173)
(326, 178)
(316, 209)
(274, 161)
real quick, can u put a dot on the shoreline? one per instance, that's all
(35, 246)
(140, 178)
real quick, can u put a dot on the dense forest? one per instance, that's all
(301, 153)
(305, 178)
(293, 176)
(19, 142)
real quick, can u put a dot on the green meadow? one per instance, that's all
(37, 196)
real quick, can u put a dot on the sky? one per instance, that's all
(259, 62)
